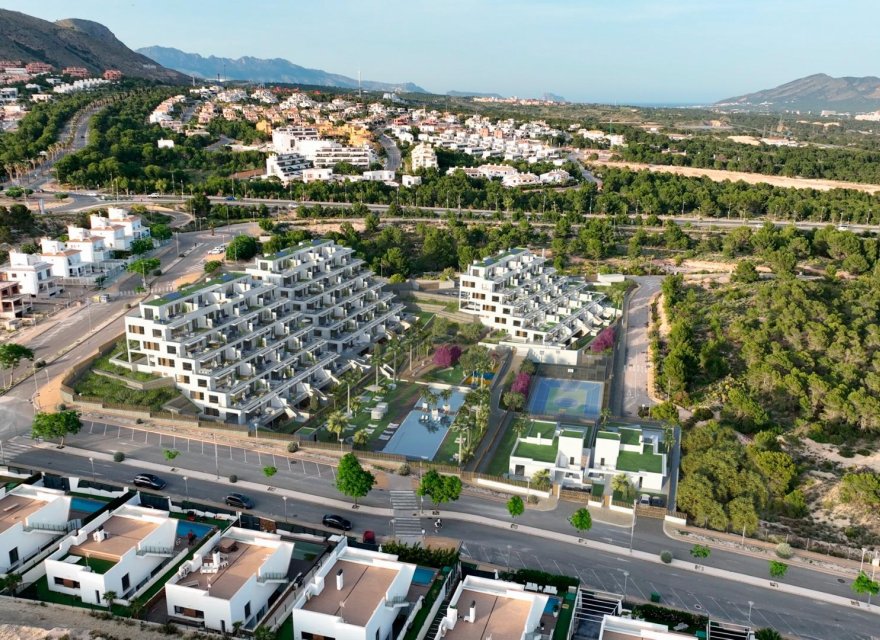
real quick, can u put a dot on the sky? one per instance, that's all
(609, 51)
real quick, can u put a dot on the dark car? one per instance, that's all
(239, 501)
(149, 481)
(658, 501)
(336, 522)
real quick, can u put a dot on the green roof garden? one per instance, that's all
(194, 288)
(573, 433)
(645, 461)
(97, 565)
(537, 452)
(541, 427)
(490, 260)
(608, 435)
(630, 436)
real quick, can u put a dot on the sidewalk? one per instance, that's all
(520, 528)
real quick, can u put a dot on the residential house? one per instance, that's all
(317, 175)
(356, 594)
(118, 229)
(65, 262)
(638, 452)
(423, 156)
(118, 551)
(32, 273)
(13, 303)
(231, 578)
(561, 450)
(31, 517)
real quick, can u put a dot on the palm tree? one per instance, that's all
(378, 359)
(445, 395)
(361, 437)
(336, 425)
(110, 596)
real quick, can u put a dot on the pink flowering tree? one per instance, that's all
(603, 341)
(447, 355)
(521, 384)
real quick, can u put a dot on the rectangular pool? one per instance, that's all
(199, 529)
(85, 505)
(423, 576)
(416, 438)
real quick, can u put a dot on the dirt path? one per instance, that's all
(719, 175)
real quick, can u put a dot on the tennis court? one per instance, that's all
(552, 396)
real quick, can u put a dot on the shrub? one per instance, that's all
(447, 355)
(603, 341)
(666, 556)
(118, 456)
(403, 470)
(157, 272)
(233, 478)
(532, 499)
(523, 576)
(426, 556)
(783, 550)
(521, 383)
(292, 447)
(528, 367)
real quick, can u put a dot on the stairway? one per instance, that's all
(441, 612)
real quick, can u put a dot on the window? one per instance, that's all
(172, 349)
(187, 366)
(247, 611)
(13, 556)
(189, 613)
(64, 582)
(203, 383)
(126, 583)
(212, 399)
(571, 460)
(157, 333)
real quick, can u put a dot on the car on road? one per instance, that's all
(239, 500)
(230, 198)
(149, 481)
(336, 522)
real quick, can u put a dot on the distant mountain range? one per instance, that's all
(819, 92)
(472, 94)
(263, 70)
(73, 43)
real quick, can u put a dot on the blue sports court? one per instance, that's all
(553, 396)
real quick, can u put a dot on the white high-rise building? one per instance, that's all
(423, 157)
(252, 347)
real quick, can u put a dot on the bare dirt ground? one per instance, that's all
(718, 175)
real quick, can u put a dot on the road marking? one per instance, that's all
(599, 580)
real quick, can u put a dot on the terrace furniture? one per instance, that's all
(550, 589)
(531, 586)
(384, 437)
(227, 546)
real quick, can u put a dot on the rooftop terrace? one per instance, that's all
(364, 587)
(15, 509)
(647, 460)
(539, 452)
(244, 561)
(193, 288)
(497, 616)
(123, 535)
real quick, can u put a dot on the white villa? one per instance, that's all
(252, 347)
(637, 452)
(231, 578)
(355, 595)
(545, 315)
(561, 450)
(118, 551)
(482, 608)
(30, 518)
(118, 229)
(32, 273)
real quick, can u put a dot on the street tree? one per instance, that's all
(440, 488)
(170, 454)
(11, 354)
(56, 425)
(700, 551)
(140, 246)
(778, 569)
(581, 520)
(143, 266)
(269, 471)
(515, 507)
(863, 584)
(242, 247)
(352, 479)
(767, 634)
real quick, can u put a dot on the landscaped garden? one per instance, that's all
(112, 391)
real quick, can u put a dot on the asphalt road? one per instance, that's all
(392, 152)
(636, 357)
(721, 599)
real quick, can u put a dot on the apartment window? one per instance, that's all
(571, 460)
(13, 556)
(212, 399)
(189, 613)
(187, 366)
(198, 395)
(247, 611)
(138, 330)
(166, 362)
(64, 582)
(157, 333)
(172, 349)
(183, 379)
(203, 383)
(126, 583)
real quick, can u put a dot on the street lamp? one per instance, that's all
(632, 531)
(625, 578)
(186, 487)
(284, 498)
(508, 558)
(751, 604)
(92, 460)
(216, 459)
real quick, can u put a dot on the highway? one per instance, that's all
(721, 599)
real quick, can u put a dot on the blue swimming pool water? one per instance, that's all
(551, 602)
(185, 526)
(416, 439)
(86, 505)
(423, 575)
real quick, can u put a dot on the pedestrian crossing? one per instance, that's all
(16, 446)
(407, 523)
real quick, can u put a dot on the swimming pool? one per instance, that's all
(417, 438)
(424, 575)
(85, 505)
(198, 528)
(551, 602)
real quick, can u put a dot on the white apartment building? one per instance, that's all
(423, 156)
(333, 153)
(118, 229)
(65, 263)
(92, 248)
(317, 175)
(482, 608)
(286, 166)
(382, 175)
(619, 628)
(355, 595)
(544, 314)
(251, 347)
(32, 273)
(285, 140)
(231, 578)
(559, 450)
(639, 453)
(116, 551)
(30, 518)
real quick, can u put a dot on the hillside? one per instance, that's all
(73, 42)
(814, 93)
(263, 70)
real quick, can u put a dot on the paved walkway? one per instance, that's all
(491, 523)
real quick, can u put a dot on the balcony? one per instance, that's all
(155, 551)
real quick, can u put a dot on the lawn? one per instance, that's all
(646, 461)
(598, 490)
(541, 427)
(563, 622)
(97, 565)
(115, 392)
(451, 375)
(630, 436)
(539, 452)
(40, 591)
(500, 463)
(422, 616)
(103, 363)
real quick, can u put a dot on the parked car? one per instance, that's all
(645, 500)
(369, 537)
(658, 501)
(239, 501)
(149, 481)
(336, 522)
(230, 198)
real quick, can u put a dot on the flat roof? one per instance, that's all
(538, 452)
(645, 461)
(124, 534)
(498, 616)
(608, 435)
(244, 563)
(193, 288)
(630, 436)
(15, 509)
(364, 587)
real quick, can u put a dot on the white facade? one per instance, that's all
(316, 175)
(134, 540)
(92, 248)
(118, 229)
(218, 588)
(334, 153)
(355, 595)
(564, 455)
(251, 347)
(32, 273)
(30, 518)
(411, 181)
(632, 451)
(484, 608)
(286, 167)
(285, 139)
(423, 156)
(65, 263)
(378, 176)
(517, 292)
